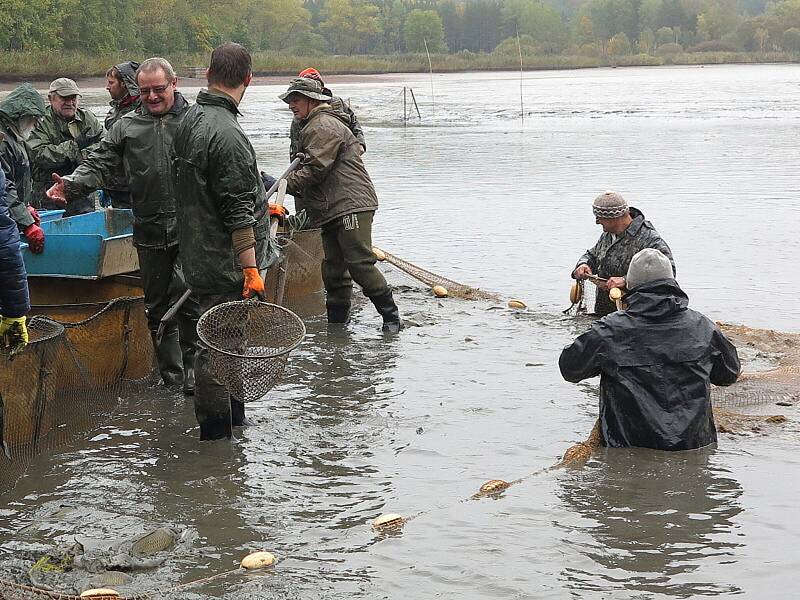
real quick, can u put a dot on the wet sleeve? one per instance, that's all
(294, 139)
(726, 366)
(234, 181)
(14, 300)
(589, 258)
(48, 156)
(355, 127)
(321, 146)
(580, 360)
(100, 166)
(94, 130)
(16, 205)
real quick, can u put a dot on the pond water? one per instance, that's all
(362, 425)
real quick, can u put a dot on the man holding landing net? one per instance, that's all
(657, 360)
(625, 232)
(223, 233)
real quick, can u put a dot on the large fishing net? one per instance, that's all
(71, 373)
(296, 282)
(249, 343)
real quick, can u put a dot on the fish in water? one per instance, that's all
(154, 542)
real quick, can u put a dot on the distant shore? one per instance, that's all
(270, 68)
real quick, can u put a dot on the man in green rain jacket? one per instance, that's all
(63, 139)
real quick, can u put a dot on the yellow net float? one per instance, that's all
(615, 294)
(388, 521)
(516, 303)
(100, 593)
(379, 254)
(494, 486)
(258, 560)
(576, 293)
(439, 291)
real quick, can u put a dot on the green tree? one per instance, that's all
(791, 40)
(665, 35)
(349, 25)
(647, 40)
(423, 27)
(542, 23)
(619, 44)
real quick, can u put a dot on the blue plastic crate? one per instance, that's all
(94, 245)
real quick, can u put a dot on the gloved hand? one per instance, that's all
(34, 213)
(279, 212)
(253, 284)
(268, 180)
(35, 237)
(13, 334)
(85, 141)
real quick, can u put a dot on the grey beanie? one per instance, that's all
(647, 265)
(609, 205)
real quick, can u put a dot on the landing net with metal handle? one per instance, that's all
(249, 343)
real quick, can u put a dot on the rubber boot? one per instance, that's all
(212, 408)
(389, 311)
(238, 418)
(189, 350)
(338, 313)
(168, 356)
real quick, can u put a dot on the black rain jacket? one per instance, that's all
(656, 360)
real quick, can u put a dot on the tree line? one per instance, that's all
(348, 27)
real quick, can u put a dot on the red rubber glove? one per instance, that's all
(253, 284)
(36, 218)
(35, 237)
(277, 211)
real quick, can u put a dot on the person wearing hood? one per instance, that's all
(339, 197)
(121, 86)
(140, 144)
(656, 360)
(14, 298)
(62, 141)
(625, 232)
(20, 111)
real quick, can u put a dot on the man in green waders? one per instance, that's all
(223, 225)
(339, 197)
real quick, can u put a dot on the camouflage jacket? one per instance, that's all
(339, 105)
(53, 147)
(610, 257)
(24, 100)
(332, 178)
(141, 143)
(219, 191)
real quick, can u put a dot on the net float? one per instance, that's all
(515, 303)
(494, 486)
(379, 254)
(388, 521)
(615, 293)
(258, 560)
(575, 293)
(100, 593)
(439, 291)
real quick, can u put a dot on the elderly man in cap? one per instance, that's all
(625, 232)
(124, 91)
(61, 142)
(657, 360)
(339, 197)
(20, 111)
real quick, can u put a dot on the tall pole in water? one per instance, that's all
(521, 107)
(430, 70)
(405, 112)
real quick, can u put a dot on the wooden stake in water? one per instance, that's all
(430, 70)
(521, 107)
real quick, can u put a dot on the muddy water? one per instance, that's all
(363, 425)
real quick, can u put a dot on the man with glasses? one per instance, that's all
(63, 139)
(141, 142)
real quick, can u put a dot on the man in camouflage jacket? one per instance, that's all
(625, 232)
(63, 139)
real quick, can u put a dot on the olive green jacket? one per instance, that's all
(339, 105)
(22, 101)
(142, 144)
(53, 148)
(219, 191)
(332, 178)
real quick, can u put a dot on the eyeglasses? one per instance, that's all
(159, 89)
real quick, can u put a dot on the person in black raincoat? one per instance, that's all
(657, 360)
(14, 298)
(124, 91)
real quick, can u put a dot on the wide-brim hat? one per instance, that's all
(310, 88)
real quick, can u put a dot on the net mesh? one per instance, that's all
(302, 283)
(249, 343)
(454, 289)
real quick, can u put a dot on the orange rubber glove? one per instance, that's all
(253, 284)
(278, 211)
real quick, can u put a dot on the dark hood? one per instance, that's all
(22, 101)
(656, 299)
(127, 73)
